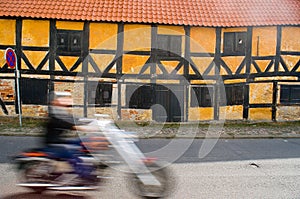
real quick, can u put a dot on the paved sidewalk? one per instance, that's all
(229, 130)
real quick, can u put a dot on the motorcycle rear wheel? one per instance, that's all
(28, 176)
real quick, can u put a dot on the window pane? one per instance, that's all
(234, 94)
(163, 45)
(69, 42)
(228, 42)
(103, 94)
(169, 45)
(99, 93)
(295, 94)
(75, 42)
(234, 43)
(284, 94)
(62, 41)
(195, 93)
(175, 45)
(240, 42)
(289, 94)
(202, 97)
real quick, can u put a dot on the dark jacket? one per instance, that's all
(59, 122)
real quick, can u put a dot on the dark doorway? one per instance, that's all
(34, 91)
(169, 103)
(166, 101)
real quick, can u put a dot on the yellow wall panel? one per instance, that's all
(23, 65)
(260, 93)
(170, 66)
(260, 114)
(2, 59)
(8, 32)
(69, 61)
(199, 113)
(233, 30)
(199, 82)
(203, 39)
(35, 57)
(231, 112)
(167, 81)
(290, 40)
(234, 81)
(291, 61)
(69, 25)
(170, 30)
(102, 60)
(233, 63)
(103, 36)
(133, 64)
(137, 37)
(35, 33)
(263, 64)
(264, 41)
(202, 63)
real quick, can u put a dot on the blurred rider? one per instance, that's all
(60, 118)
(60, 121)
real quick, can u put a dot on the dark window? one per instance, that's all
(69, 42)
(140, 97)
(234, 95)
(169, 45)
(34, 91)
(290, 94)
(235, 43)
(202, 96)
(99, 94)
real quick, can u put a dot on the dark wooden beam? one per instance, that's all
(154, 55)
(217, 64)
(119, 58)
(274, 100)
(18, 51)
(52, 52)
(248, 60)
(186, 69)
(85, 62)
(278, 53)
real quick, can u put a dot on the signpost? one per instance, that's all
(11, 60)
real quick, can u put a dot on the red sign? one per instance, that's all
(11, 58)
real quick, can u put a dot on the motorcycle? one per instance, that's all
(105, 149)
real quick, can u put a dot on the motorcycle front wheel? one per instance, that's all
(162, 174)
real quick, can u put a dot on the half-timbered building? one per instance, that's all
(162, 60)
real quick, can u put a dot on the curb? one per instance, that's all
(281, 136)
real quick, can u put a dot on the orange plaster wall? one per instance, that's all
(264, 41)
(203, 39)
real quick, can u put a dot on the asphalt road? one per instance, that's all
(267, 168)
(187, 150)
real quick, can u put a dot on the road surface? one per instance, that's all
(233, 169)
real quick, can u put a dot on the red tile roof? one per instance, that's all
(226, 13)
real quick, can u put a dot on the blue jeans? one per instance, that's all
(69, 151)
